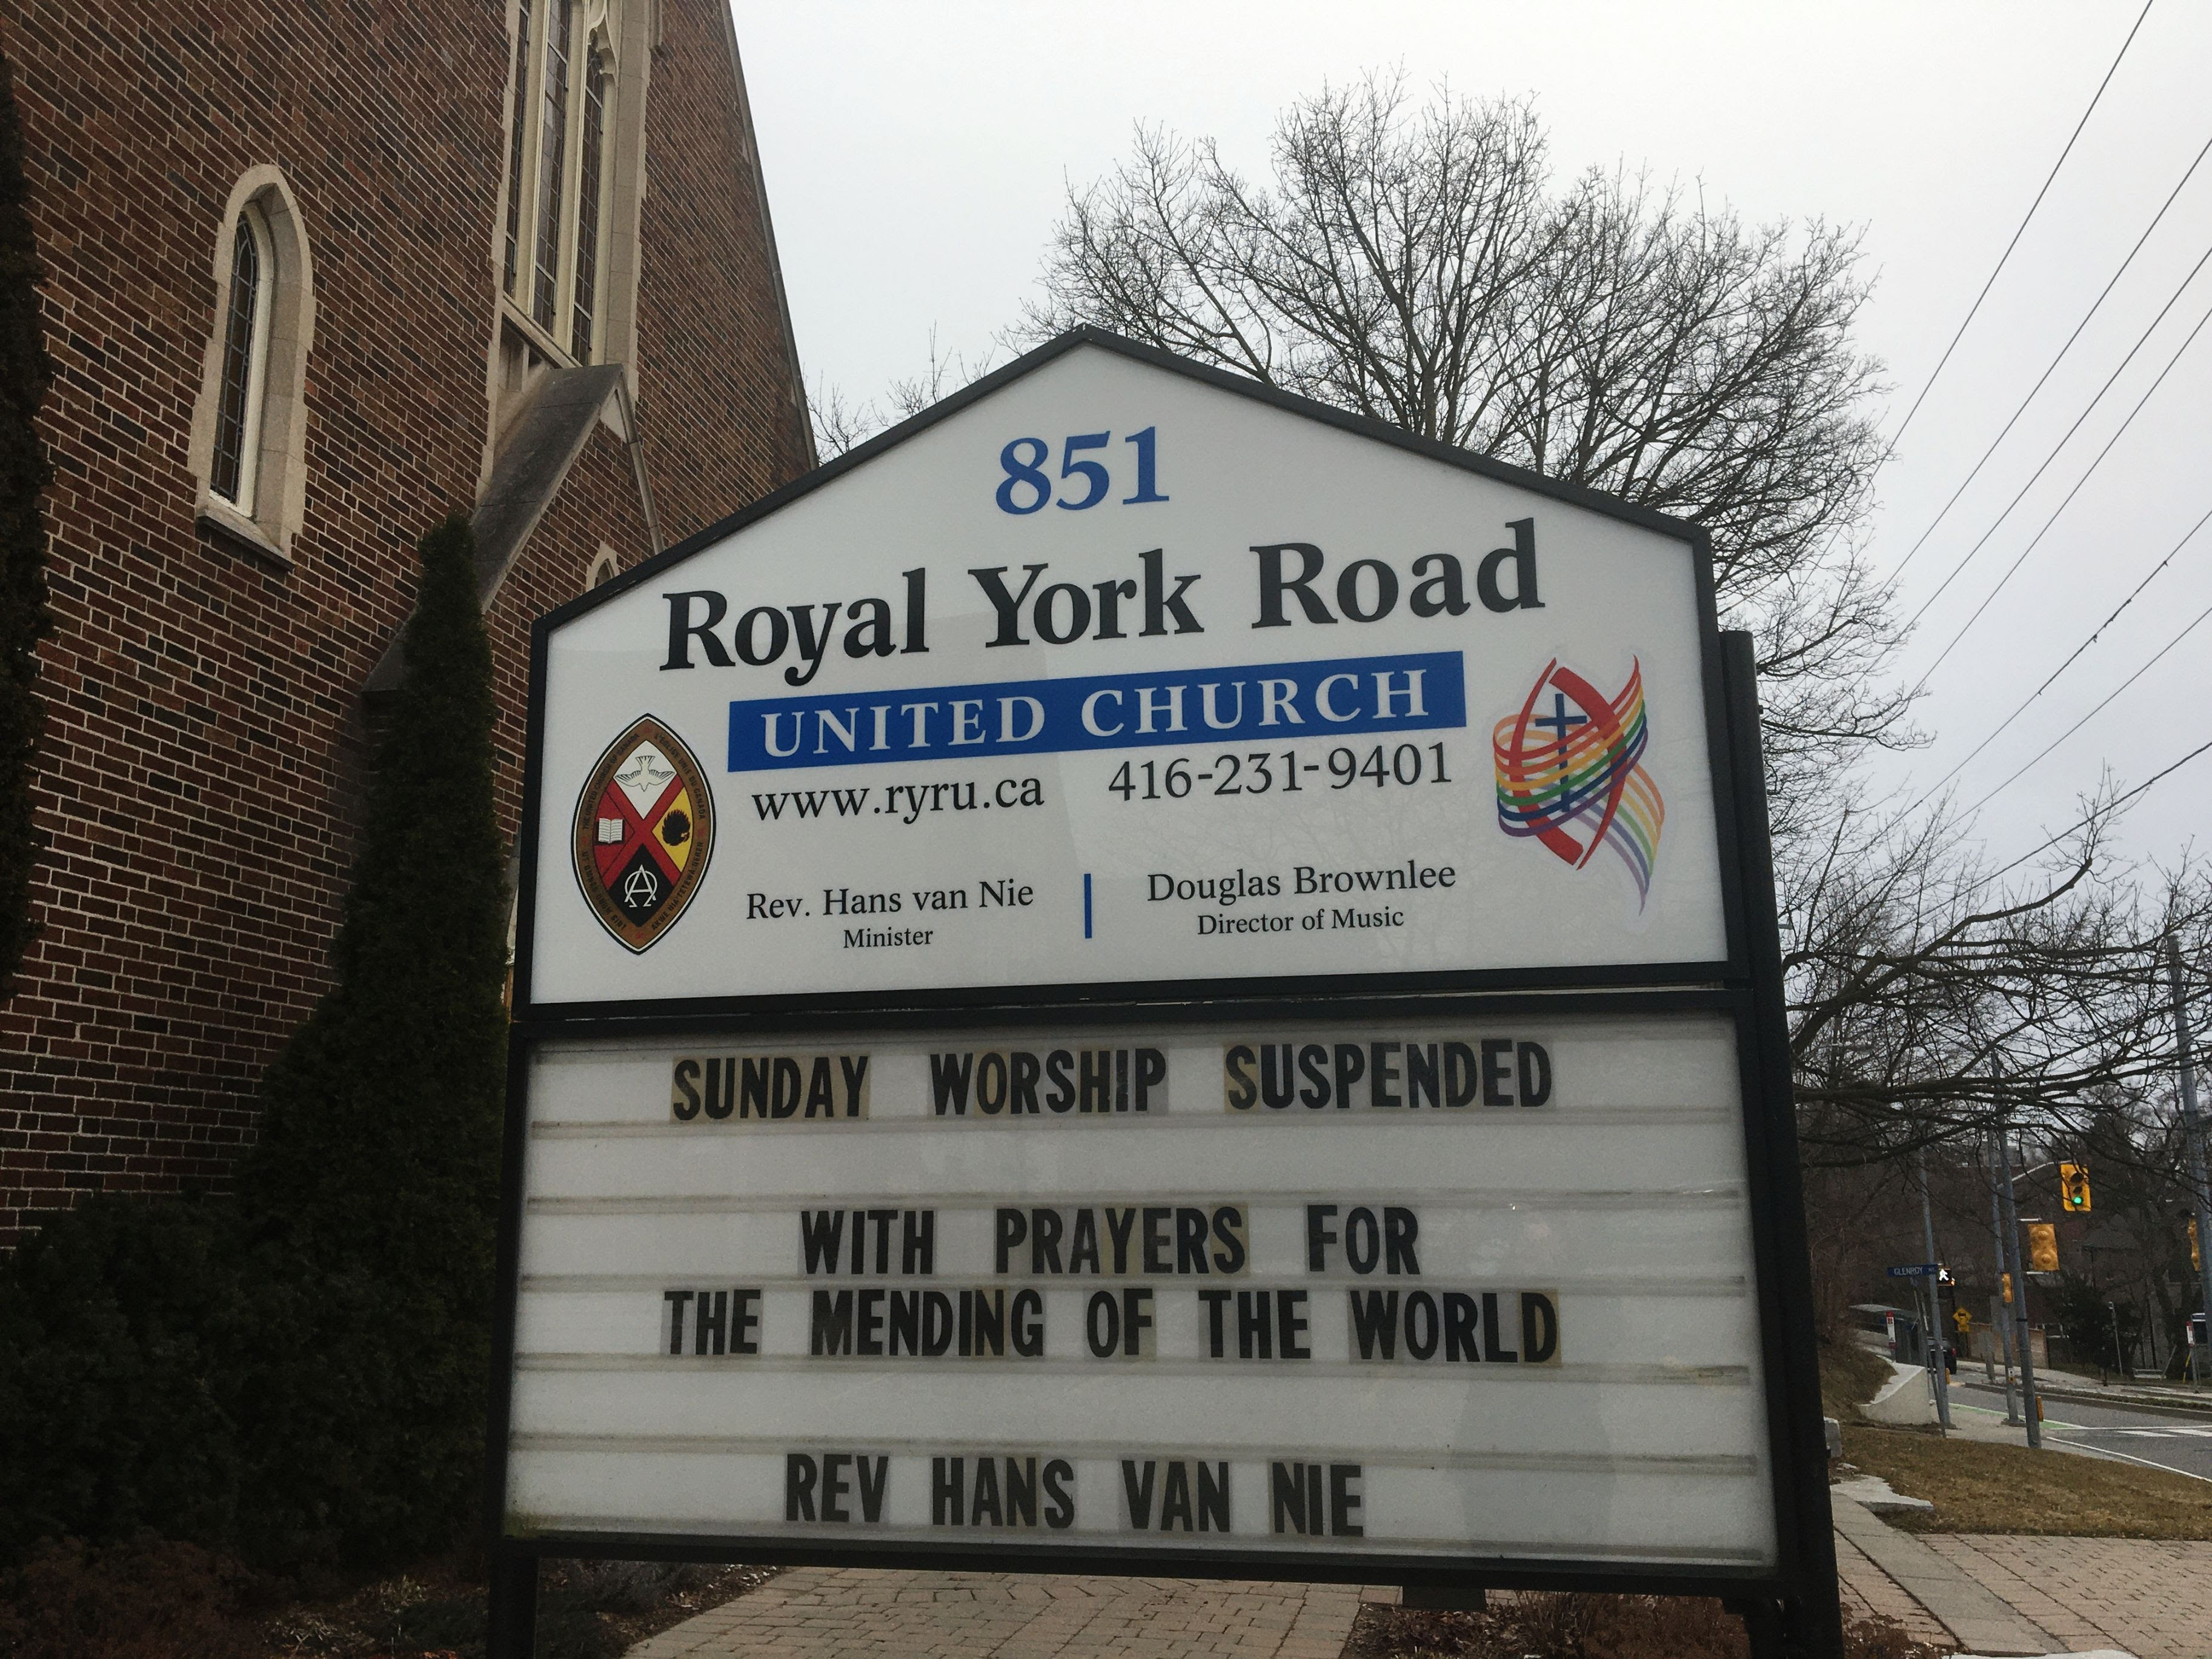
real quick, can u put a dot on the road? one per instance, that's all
(2165, 1440)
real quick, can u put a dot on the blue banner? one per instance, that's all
(1268, 704)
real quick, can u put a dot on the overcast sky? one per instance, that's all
(917, 156)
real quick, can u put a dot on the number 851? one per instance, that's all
(1025, 489)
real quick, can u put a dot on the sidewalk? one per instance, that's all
(852, 1612)
(1991, 1594)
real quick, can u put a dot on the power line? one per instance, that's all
(2141, 341)
(2086, 319)
(2094, 712)
(2016, 235)
(2116, 802)
(2095, 635)
(2070, 494)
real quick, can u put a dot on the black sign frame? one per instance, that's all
(1794, 1607)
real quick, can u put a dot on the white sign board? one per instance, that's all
(1146, 973)
(1414, 1288)
(1114, 677)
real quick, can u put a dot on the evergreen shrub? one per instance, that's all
(300, 1374)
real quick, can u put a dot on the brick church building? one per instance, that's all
(316, 277)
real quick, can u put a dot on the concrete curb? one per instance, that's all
(1980, 1620)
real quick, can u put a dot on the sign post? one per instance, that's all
(1142, 976)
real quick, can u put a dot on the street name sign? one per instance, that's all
(1144, 976)
(1917, 1270)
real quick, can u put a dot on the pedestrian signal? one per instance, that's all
(2073, 1187)
(2042, 1246)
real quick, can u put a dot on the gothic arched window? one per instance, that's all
(249, 427)
(245, 363)
(577, 91)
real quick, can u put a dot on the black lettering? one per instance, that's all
(1461, 1074)
(1443, 593)
(800, 1475)
(1535, 1074)
(1343, 1502)
(682, 630)
(1138, 1490)
(1459, 1326)
(948, 1492)
(1400, 1227)
(1011, 1227)
(1423, 1075)
(1540, 1328)
(1237, 1063)
(1273, 584)
(1229, 1229)
(1423, 1328)
(1496, 1051)
(1319, 1236)
(1522, 557)
(1059, 1494)
(1375, 1322)
(1190, 1240)
(948, 1083)
(1351, 1067)
(1044, 1241)
(1156, 1219)
(1493, 1348)
(875, 1474)
(834, 1487)
(830, 1325)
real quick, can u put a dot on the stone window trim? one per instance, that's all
(275, 478)
(616, 38)
(604, 568)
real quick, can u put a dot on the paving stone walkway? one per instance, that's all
(850, 1613)
(2153, 1599)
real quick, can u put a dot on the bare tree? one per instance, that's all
(839, 425)
(1417, 265)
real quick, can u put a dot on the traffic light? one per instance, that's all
(2042, 1246)
(2073, 1187)
(2006, 1280)
(2195, 1261)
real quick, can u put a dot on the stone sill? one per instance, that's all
(240, 533)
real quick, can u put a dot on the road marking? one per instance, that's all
(2106, 1451)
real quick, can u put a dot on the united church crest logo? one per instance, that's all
(644, 827)
(1571, 773)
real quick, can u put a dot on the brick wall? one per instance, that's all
(204, 743)
(718, 399)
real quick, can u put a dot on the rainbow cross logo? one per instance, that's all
(1571, 761)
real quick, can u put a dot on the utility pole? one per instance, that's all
(2020, 1348)
(2192, 1129)
(1934, 1305)
(1999, 1323)
(2119, 1359)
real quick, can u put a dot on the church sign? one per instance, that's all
(1142, 976)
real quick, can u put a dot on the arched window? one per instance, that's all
(575, 152)
(589, 167)
(245, 363)
(603, 568)
(249, 427)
